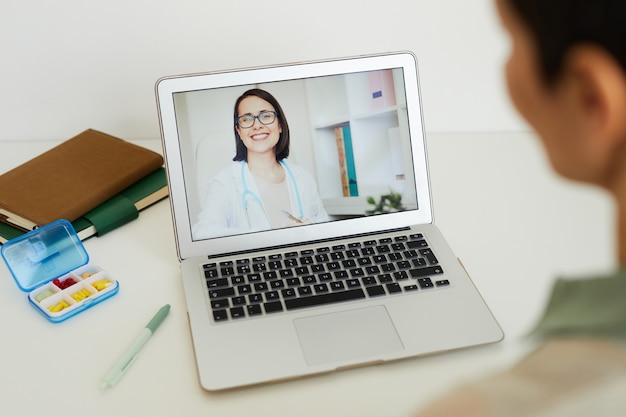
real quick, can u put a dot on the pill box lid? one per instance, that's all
(44, 254)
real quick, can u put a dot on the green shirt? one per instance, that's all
(593, 306)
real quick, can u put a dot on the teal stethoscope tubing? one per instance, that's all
(255, 197)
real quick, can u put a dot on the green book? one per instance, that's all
(113, 213)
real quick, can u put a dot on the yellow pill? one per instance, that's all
(56, 308)
(86, 274)
(102, 284)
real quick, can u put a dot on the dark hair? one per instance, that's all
(557, 25)
(282, 147)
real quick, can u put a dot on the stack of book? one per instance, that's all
(94, 180)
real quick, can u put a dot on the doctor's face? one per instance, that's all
(259, 138)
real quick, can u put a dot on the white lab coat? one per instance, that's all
(234, 206)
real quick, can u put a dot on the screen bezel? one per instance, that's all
(167, 87)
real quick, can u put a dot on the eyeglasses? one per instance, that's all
(265, 117)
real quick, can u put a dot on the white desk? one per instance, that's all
(512, 223)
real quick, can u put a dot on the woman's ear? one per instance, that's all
(595, 89)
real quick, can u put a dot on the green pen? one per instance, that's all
(121, 366)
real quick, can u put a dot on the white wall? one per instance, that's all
(68, 65)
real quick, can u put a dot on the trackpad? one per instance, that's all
(348, 335)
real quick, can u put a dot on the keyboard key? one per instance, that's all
(237, 313)
(254, 278)
(237, 280)
(376, 291)
(337, 286)
(393, 288)
(244, 289)
(425, 283)
(417, 244)
(385, 278)
(320, 288)
(254, 310)
(419, 262)
(271, 296)
(339, 275)
(220, 315)
(309, 280)
(293, 282)
(286, 273)
(267, 276)
(273, 265)
(211, 273)
(239, 301)
(357, 272)
(302, 270)
(332, 266)
(369, 281)
(255, 298)
(422, 272)
(273, 307)
(322, 299)
(217, 283)
(229, 270)
(337, 256)
(322, 258)
(276, 285)
(442, 283)
(220, 304)
(288, 292)
(222, 293)
(400, 275)
(304, 291)
(325, 277)
(353, 283)
(243, 269)
(429, 255)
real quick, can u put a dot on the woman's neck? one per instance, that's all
(266, 167)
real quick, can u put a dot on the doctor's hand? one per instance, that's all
(296, 221)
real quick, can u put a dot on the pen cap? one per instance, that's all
(44, 254)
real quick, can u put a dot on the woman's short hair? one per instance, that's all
(282, 147)
(557, 25)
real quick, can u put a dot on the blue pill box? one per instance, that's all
(52, 265)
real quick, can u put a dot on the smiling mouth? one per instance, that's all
(259, 136)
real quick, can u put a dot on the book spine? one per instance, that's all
(350, 165)
(343, 167)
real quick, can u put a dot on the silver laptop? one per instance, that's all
(303, 221)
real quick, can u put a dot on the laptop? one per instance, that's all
(332, 263)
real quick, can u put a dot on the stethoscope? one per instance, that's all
(248, 193)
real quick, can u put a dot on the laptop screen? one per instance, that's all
(271, 156)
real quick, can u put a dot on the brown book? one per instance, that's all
(72, 178)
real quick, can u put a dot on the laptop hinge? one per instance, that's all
(307, 243)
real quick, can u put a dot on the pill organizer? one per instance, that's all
(52, 265)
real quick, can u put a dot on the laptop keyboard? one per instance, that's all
(298, 279)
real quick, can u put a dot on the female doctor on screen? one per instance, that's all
(260, 190)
